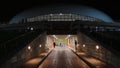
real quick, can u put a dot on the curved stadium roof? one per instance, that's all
(64, 9)
(62, 17)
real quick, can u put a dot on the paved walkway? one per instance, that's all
(63, 57)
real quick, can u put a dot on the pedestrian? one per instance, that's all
(76, 45)
(54, 44)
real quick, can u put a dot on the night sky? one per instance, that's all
(8, 9)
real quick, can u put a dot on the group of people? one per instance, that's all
(60, 44)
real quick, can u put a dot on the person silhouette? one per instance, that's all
(54, 44)
(76, 45)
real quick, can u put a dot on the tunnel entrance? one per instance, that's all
(62, 41)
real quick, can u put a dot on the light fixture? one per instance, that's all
(51, 14)
(55, 37)
(83, 45)
(96, 28)
(40, 45)
(97, 47)
(29, 47)
(31, 28)
(61, 14)
(67, 36)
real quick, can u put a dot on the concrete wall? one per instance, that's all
(49, 41)
(88, 46)
(26, 54)
(71, 41)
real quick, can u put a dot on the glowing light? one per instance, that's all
(83, 45)
(96, 28)
(51, 14)
(40, 45)
(61, 14)
(33, 61)
(31, 28)
(67, 36)
(55, 37)
(97, 47)
(29, 47)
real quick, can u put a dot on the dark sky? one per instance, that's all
(10, 8)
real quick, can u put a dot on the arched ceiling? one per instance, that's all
(65, 9)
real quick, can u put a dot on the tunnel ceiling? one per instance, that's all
(65, 9)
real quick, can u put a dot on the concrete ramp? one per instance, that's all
(63, 57)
